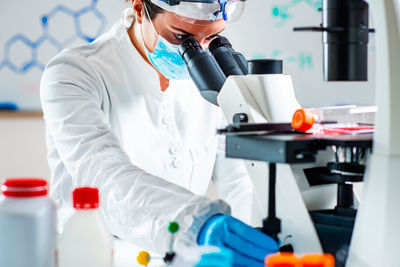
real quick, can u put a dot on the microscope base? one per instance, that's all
(375, 240)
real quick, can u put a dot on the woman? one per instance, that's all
(121, 117)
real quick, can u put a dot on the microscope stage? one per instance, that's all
(288, 147)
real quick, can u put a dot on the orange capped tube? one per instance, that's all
(303, 120)
(317, 260)
(282, 260)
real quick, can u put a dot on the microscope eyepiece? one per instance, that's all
(230, 61)
(203, 69)
(210, 68)
(190, 46)
(218, 42)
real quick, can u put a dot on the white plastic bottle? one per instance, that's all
(85, 241)
(27, 224)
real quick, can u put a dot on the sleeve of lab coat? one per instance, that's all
(136, 205)
(232, 182)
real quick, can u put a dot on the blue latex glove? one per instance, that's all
(249, 245)
(203, 256)
(222, 258)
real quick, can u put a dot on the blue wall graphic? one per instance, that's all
(283, 12)
(59, 42)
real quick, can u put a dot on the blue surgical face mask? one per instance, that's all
(166, 58)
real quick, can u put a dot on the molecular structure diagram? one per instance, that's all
(85, 24)
(282, 12)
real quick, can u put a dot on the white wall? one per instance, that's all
(22, 147)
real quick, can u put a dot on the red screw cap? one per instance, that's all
(85, 198)
(24, 187)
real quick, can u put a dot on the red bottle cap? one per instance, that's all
(85, 198)
(24, 187)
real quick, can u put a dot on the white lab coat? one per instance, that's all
(152, 154)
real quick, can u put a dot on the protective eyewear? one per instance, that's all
(203, 11)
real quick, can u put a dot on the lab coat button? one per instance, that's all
(166, 105)
(174, 150)
(166, 119)
(176, 163)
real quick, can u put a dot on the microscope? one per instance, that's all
(304, 193)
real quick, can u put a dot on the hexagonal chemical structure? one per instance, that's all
(19, 54)
(45, 51)
(91, 23)
(61, 25)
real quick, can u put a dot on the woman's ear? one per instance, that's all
(138, 10)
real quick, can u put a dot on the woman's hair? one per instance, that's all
(152, 8)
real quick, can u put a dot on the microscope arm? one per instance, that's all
(375, 240)
(387, 141)
(263, 98)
